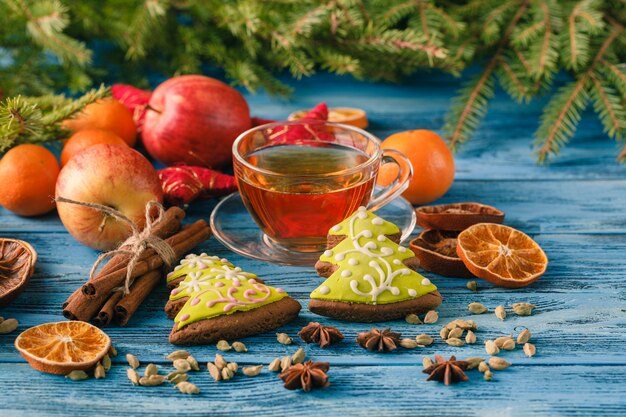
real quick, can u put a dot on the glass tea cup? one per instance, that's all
(298, 179)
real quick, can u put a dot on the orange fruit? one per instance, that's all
(501, 255)
(62, 347)
(106, 114)
(432, 161)
(28, 175)
(83, 139)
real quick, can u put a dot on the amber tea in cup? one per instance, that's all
(298, 179)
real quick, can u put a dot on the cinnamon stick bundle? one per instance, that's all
(100, 299)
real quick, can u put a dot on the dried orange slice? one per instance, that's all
(501, 255)
(62, 347)
(346, 115)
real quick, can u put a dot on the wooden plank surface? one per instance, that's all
(574, 208)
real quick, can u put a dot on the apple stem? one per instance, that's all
(148, 107)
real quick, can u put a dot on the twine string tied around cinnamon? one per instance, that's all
(136, 243)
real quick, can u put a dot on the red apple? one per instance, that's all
(111, 175)
(194, 119)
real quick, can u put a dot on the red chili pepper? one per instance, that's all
(183, 184)
(305, 132)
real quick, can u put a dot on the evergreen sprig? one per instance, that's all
(519, 45)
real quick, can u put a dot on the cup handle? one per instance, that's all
(398, 185)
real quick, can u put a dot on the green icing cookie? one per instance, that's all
(227, 296)
(370, 270)
(367, 221)
(199, 271)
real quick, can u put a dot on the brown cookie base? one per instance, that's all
(237, 325)
(367, 313)
(326, 269)
(172, 307)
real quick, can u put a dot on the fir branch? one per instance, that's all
(18, 118)
(463, 120)
(563, 111)
(616, 74)
(139, 30)
(583, 21)
(609, 109)
(73, 107)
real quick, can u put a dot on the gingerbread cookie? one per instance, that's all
(369, 278)
(229, 306)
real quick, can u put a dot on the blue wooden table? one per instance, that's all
(574, 208)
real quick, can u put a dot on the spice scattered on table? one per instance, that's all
(325, 336)
(379, 340)
(306, 376)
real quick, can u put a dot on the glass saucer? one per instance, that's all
(233, 226)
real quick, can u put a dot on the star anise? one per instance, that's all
(448, 371)
(308, 376)
(315, 332)
(380, 340)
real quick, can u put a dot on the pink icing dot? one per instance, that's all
(227, 308)
(236, 283)
(252, 281)
(175, 291)
(184, 317)
(195, 301)
(219, 284)
(202, 265)
(280, 290)
(233, 290)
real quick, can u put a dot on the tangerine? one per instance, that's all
(432, 161)
(28, 175)
(83, 139)
(62, 347)
(105, 114)
(501, 255)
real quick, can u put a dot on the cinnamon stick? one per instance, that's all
(140, 289)
(107, 312)
(182, 242)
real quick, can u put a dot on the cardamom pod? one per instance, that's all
(470, 337)
(473, 362)
(483, 367)
(462, 324)
(193, 363)
(187, 388)
(523, 309)
(500, 312)
(76, 375)
(173, 375)
(99, 373)
(477, 308)
(112, 351)
(239, 347)
(133, 376)
(508, 344)
(214, 371)
(457, 333)
(284, 338)
(285, 363)
(426, 362)
(299, 356)
(151, 369)
(523, 337)
(529, 350)
(220, 362)
(413, 319)
(132, 360)
(274, 366)
(177, 354)
(151, 381)
(408, 343)
(501, 340)
(223, 346)
(498, 364)
(106, 363)
(227, 373)
(444, 332)
(424, 339)
(252, 370)
(233, 367)
(488, 376)
(472, 324)
(182, 365)
(491, 348)
(454, 341)
(9, 325)
(431, 317)
(178, 378)
(472, 286)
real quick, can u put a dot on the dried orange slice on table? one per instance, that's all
(501, 255)
(62, 347)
